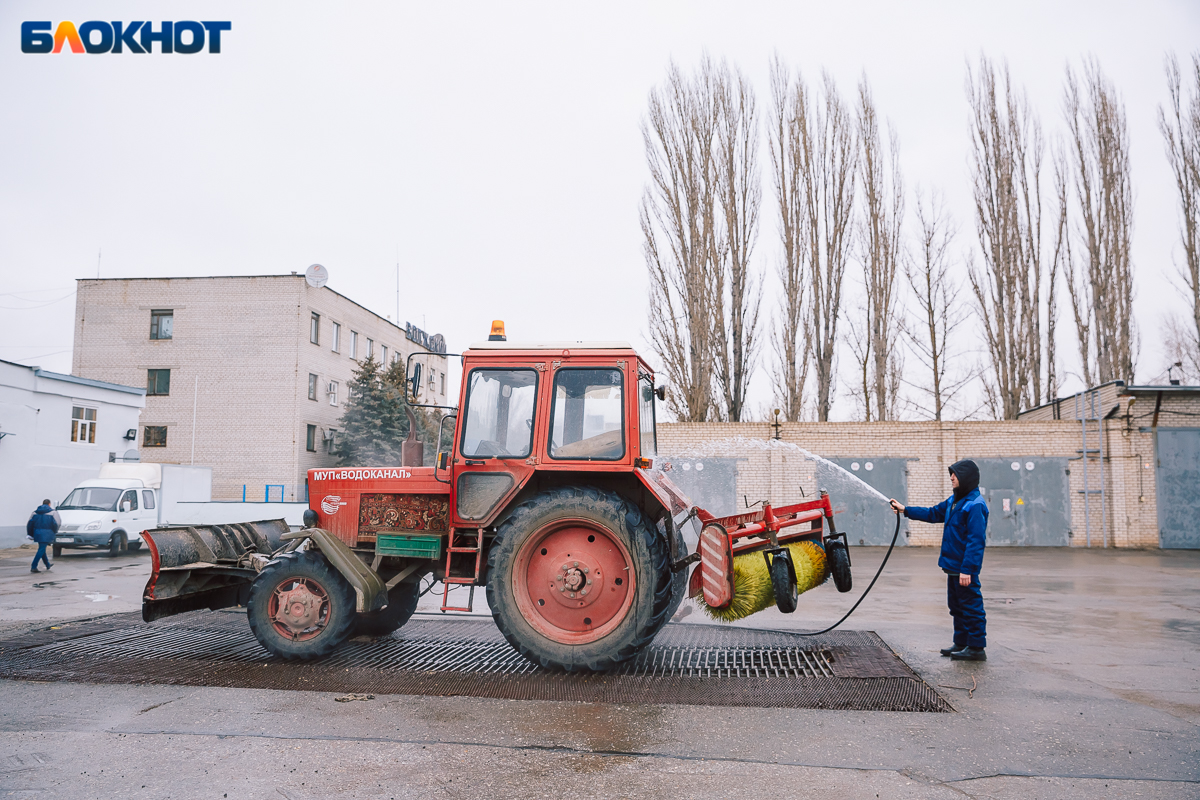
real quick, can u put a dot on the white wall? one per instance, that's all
(37, 457)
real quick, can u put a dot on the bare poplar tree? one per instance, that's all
(818, 133)
(739, 193)
(699, 219)
(1100, 277)
(793, 348)
(940, 312)
(880, 225)
(678, 220)
(1180, 126)
(1006, 159)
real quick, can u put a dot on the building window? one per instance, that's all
(370, 347)
(312, 386)
(314, 328)
(337, 338)
(354, 344)
(162, 321)
(154, 436)
(383, 355)
(158, 381)
(443, 375)
(83, 425)
(333, 393)
(310, 442)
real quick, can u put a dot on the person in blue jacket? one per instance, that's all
(963, 537)
(42, 528)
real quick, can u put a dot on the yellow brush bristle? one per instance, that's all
(752, 582)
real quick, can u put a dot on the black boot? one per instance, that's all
(949, 651)
(970, 654)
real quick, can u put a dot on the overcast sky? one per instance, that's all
(492, 149)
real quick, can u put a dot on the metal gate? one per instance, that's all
(1028, 500)
(1178, 487)
(867, 519)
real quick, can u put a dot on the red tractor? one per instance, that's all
(552, 497)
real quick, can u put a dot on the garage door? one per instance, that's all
(867, 519)
(1179, 487)
(1028, 500)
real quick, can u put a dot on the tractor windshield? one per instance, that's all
(499, 420)
(587, 422)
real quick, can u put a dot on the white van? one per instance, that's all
(112, 510)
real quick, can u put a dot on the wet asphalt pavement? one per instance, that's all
(1092, 690)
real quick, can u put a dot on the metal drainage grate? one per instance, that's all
(687, 664)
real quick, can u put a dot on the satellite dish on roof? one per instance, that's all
(132, 455)
(316, 276)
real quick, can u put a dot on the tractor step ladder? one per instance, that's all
(454, 546)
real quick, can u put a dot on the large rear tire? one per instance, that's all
(300, 607)
(579, 579)
(402, 602)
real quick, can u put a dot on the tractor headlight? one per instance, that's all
(94, 525)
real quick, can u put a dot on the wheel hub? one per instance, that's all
(578, 581)
(299, 608)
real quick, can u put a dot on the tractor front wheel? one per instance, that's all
(578, 579)
(402, 602)
(300, 607)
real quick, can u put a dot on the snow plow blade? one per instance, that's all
(205, 566)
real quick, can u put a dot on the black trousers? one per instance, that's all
(966, 606)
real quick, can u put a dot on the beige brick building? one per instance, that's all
(1133, 422)
(247, 375)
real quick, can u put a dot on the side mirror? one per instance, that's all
(661, 392)
(414, 382)
(125, 507)
(443, 460)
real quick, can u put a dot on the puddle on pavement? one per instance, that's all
(95, 597)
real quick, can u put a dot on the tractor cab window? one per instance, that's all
(649, 441)
(587, 422)
(499, 413)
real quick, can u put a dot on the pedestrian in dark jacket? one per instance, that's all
(42, 527)
(964, 535)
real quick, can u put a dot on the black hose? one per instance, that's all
(879, 572)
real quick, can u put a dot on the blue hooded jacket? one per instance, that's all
(42, 526)
(965, 515)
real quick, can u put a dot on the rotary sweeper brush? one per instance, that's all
(551, 496)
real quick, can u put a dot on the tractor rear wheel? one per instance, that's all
(300, 607)
(402, 602)
(579, 579)
(839, 565)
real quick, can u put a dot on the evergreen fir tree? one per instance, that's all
(374, 423)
